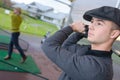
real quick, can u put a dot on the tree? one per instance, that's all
(5, 3)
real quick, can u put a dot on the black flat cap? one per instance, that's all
(105, 13)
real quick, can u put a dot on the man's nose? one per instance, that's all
(91, 26)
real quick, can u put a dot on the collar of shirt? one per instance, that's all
(99, 53)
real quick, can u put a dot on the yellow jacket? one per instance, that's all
(16, 20)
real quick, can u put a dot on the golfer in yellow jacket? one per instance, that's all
(16, 20)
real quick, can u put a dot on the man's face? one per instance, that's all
(99, 31)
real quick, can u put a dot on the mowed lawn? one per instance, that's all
(29, 25)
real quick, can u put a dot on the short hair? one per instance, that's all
(115, 26)
(18, 9)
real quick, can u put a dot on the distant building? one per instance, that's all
(21, 5)
(36, 9)
(44, 13)
(58, 19)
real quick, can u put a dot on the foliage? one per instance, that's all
(5, 4)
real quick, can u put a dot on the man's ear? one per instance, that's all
(115, 33)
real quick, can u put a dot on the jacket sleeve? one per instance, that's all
(71, 42)
(56, 46)
(62, 57)
(74, 38)
(52, 45)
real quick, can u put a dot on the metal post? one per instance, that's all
(70, 20)
(118, 4)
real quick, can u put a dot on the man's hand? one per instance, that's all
(78, 27)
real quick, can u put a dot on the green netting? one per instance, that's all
(4, 39)
(14, 63)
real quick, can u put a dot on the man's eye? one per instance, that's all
(99, 24)
(91, 21)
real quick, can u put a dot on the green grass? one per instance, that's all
(29, 25)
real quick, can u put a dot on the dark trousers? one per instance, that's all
(15, 41)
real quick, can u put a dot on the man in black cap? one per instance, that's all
(86, 62)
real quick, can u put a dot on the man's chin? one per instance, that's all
(90, 40)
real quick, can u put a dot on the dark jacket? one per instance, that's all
(78, 62)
